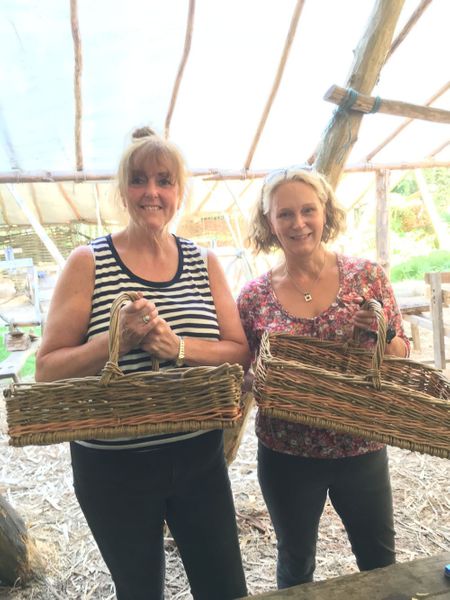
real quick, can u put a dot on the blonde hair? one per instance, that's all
(149, 148)
(260, 236)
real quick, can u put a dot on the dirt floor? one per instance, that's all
(36, 481)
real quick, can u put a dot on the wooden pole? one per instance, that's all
(276, 84)
(48, 243)
(437, 318)
(407, 28)
(186, 51)
(405, 123)
(341, 133)
(77, 82)
(367, 104)
(382, 219)
(428, 202)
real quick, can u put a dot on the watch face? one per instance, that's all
(390, 335)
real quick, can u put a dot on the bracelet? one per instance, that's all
(180, 358)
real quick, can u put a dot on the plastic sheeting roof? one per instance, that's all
(131, 54)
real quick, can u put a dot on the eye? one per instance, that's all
(284, 214)
(165, 180)
(137, 180)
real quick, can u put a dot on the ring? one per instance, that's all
(146, 319)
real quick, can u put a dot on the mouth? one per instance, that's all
(151, 208)
(301, 238)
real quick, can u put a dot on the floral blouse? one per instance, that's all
(261, 311)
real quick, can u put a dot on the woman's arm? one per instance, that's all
(63, 352)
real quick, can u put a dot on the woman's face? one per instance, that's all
(297, 218)
(152, 196)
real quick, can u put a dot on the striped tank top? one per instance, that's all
(185, 302)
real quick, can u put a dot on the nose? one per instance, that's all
(299, 221)
(151, 189)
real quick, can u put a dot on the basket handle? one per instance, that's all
(112, 368)
(374, 374)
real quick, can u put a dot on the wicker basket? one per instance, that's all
(338, 386)
(116, 405)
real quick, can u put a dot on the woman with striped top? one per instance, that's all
(185, 315)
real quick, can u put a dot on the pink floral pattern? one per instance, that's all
(261, 311)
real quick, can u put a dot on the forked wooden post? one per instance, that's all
(342, 132)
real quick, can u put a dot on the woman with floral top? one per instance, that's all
(317, 293)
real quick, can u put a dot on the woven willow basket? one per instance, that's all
(115, 405)
(338, 386)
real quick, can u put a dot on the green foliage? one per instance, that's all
(416, 266)
(30, 365)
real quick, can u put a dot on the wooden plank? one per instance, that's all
(425, 322)
(421, 578)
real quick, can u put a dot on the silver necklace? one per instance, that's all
(307, 295)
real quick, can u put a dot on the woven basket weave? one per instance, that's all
(115, 405)
(338, 386)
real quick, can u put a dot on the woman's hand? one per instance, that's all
(135, 321)
(160, 340)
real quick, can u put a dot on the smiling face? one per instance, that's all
(152, 196)
(296, 217)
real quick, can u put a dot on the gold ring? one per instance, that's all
(146, 319)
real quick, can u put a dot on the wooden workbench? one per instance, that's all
(416, 580)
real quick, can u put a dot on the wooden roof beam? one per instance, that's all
(407, 28)
(405, 123)
(78, 69)
(186, 51)
(69, 201)
(369, 104)
(341, 133)
(276, 84)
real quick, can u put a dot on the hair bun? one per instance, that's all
(142, 132)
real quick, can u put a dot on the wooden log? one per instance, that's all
(367, 104)
(414, 580)
(341, 134)
(403, 166)
(19, 560)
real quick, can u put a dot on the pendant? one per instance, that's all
(307, 296)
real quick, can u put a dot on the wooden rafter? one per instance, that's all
(405, 123)
(439, 148)
(3, 211)
(69, 201)
(276, 84)
(78, 69)
(341, 133)
(402, 166)
(35, 202)
(366, 104)
(187, 48)
(407, 28)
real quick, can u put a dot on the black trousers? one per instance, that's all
(295, 490)
(127, 495)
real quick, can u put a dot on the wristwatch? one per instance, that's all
(390, 335)
(180, 358)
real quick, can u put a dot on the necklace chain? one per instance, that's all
(307, 295)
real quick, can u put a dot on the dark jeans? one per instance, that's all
(126, 495)
(295, 490)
